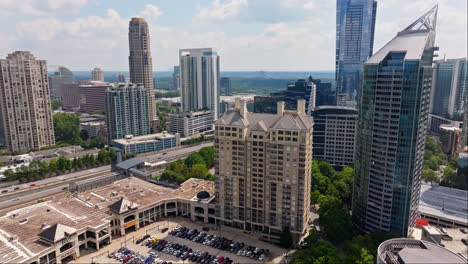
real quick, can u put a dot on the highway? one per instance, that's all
(53, 185)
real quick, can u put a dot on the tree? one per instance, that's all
(208, 155)
(193, 159)
(172, 176)
(315, 196)
(448, 173)
(62, 164)
(335, 221)
(429, 175)
(198, 171)
(103, 156)
(453, 162)
(316, 251)
(112, 154)
(67, 128)
(53, 166)
(286, 238)
(56, 104)
(84, 134)
(365, 257)
(326, 169)
(98, 112)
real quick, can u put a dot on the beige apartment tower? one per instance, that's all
(25, 102)
(97, 75)
(141, 63)
(263, 166)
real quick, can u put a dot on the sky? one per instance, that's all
(250, 35)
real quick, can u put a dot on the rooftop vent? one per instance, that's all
(103, 200)
(47, 210)
(13, 238)
(44, 226)
(14, 215)
(22, 221)
(114, 193)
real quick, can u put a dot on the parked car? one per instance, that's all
(32, 185)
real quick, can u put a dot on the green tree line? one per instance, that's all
(38, 169)
(196, 165)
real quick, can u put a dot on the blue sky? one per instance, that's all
(275, 35)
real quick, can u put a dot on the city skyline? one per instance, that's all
(238, 28)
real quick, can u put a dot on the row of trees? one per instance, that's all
(199, 139)
(41, 169)
(194, 166)
(332, 191)
(67, 130)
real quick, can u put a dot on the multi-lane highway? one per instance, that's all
(16, 194)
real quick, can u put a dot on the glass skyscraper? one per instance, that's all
(393, 115)
(355, 26)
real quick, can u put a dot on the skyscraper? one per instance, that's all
(25, 102)
(355, 25)
(449, 87)
(121, 77)
(199, 80)
(127, 111)
(60, 76)
(226, 86)
(263, 164)
(393, 116)
(141, 63)
(176, 78)
(97, 75)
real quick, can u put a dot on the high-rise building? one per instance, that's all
(301, 89)
(92, 96)
(450, 139)
(176, 78)
(393, 116)
(199, 80)
(449, 88)
(355, 26)
(335, 130)
(141, 63)
(226, 86)
(324, 94)
(25, 102)
(97, 75)
(121, 77)
(127, 111)
(464, 141)
(60, 76)
(263, 165)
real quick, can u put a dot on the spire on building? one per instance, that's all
(426, 22)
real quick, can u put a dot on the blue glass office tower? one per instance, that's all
(393, 115)
(355, 26)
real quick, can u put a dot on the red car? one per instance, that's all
(220, 259)
(32, 185)
(126, 259)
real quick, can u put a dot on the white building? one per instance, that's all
(199, 80)
(189, 124)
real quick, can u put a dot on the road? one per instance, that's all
(179, 153)
(33, 196)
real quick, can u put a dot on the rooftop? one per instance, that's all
(151, 137)
(20, 229)
(443, 201)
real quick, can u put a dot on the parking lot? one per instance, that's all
(274, 256)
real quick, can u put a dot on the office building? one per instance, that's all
(176, 79)
(25, 102)
(192, 123)
(263, 165)
(126, 111)
(335, 130)
(92, 96)
(449, 87)
(409, 251)
(450, 139)
(121, 77)
(93, 128)
(148, 143)
(436, 121)
(464, 142)
(97, 75)
(324, 94)
(63, 229)
(59, 77)
(71, 97)
(355, 26)
(301, 89)
(226, 86)
(391, 135)
(199, 80)
(141, 64)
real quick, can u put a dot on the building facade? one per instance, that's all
(141, 63)
(189, 124)
(176, 78)
(92, 96)
(97, 75)
(450, 88)
(57, 79)
(335, 130)
(121, 77)
(148, 143)
(263, 166)
(126, 111)
(25, 102)
(393, 116)
(199, 80)
(450, 139)
(355, 27)
(436, 121)
(226, 86)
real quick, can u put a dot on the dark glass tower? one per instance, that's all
(355, 26)
(393, 115)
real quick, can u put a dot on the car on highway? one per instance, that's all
(16, 188)
(4, 191)
(65, 188)
(15, 199)
(32, 185)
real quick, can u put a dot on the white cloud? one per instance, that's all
(151, 12)
(40, 7)
(221, 11)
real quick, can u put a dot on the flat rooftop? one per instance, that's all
(20, 241)
(150, 137)
(444, 202)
